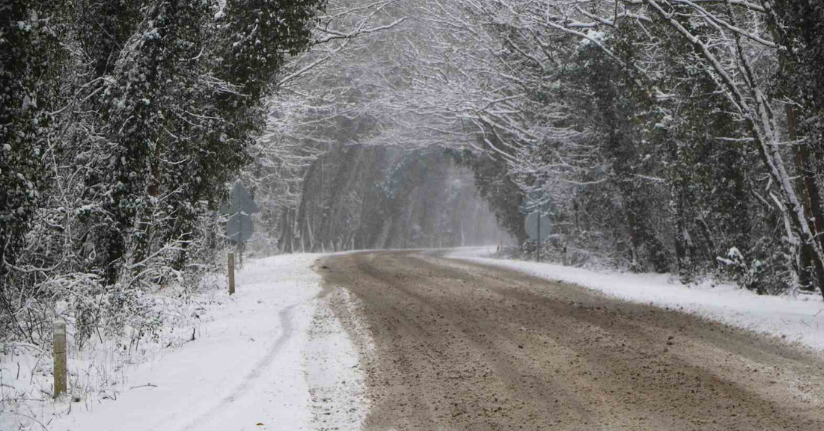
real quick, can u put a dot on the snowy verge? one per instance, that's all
(798, 319)
(253, 364)
(334, 367)
(99, 366)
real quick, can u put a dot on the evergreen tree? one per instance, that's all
(30, 63)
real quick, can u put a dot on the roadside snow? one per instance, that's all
(254, 365)
(794, 319)
(336, 382)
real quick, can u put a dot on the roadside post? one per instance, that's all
(231, 273)
(60, 383)
(538, 251)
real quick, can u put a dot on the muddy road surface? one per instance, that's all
(449, 345)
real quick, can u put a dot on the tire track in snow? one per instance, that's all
(462, 346)
(263, 364)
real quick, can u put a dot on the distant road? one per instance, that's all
(465, 347)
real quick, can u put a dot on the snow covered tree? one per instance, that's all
(30, 63)
(121, 124)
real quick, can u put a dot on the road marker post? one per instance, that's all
(60, 385)
(231, 273)
(538, 248)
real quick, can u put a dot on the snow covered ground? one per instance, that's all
(272, 356)
(793, 319)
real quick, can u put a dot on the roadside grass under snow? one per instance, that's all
(98, 369)
(270, 357)
(795, 319)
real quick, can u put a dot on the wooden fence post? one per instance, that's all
(231, 273)
(59, 358)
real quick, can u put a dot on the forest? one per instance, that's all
(680, 136)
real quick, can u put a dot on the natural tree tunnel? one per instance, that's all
(373, 197)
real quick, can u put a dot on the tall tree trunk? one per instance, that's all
(683, 251)
(807, 191)
(286, 235)
(306, 199)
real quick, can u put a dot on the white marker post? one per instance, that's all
(231, 273)
(59, 359)
(538, 226)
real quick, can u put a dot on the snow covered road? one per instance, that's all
(799, 319)
(271, 357)
(462, 346)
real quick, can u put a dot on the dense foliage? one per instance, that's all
(120, 125)
(663, 135)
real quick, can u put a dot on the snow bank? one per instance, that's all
(333, 369)
(794, 319)
(252, 366)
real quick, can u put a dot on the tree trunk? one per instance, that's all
(154, 185)
(806, 186)
(304, 220)
(285, 242)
